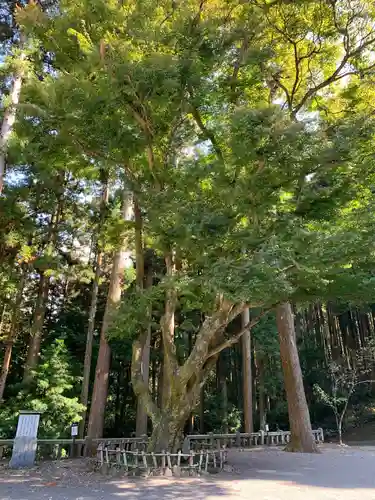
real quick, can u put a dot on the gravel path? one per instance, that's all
(345, 474)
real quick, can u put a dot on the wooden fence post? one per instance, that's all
(238, 439)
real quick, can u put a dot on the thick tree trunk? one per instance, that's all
(92, 313)
(299, 418)
(9, 116)
(11, 336)
(167, 433)
(247, 382)
(36, 328)
(99, 396)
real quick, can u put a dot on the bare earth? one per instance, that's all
(337, 473)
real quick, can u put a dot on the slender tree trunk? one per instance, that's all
(247, 382)
(99, 396)
(92, 313)
(141, 419)
(262, 408)
(36, 328)
(302, 439)
(159, 397)
(201, 412)
(89, 342)
(339, 428)
(9, 116)
(141, 422)
(167, 328)
(44, 283)
(222, 387)
(2, 317)
(11, 336)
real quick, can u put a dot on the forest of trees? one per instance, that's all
(187, 194)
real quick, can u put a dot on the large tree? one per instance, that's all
(238, 198)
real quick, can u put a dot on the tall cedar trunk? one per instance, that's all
(9, 116)
(99, 396)
(36, 328)
(299, 418)
(11, 336)
(141, 418)
(159, 398)
(92, 313)
(262, 409)
(190, 426)
(141, 422)
(247, 382)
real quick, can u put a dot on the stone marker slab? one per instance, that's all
(25, 442)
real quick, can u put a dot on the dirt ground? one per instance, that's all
(336, 473)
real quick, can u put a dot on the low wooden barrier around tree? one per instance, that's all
(163, 463)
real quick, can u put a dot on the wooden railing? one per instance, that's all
(57, 449)
(242, 440)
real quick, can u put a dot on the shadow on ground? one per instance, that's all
(34, 486)
(345, 473)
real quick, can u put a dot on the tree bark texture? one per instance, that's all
(299, 418)
(99, 396)
(36, 328)
(247, 382)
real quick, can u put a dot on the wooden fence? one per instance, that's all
(57, 449)
(164, 463)
(242, 440)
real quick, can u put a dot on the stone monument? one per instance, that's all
(25, 442)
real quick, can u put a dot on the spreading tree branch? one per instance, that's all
(233, 340)
(206, 132)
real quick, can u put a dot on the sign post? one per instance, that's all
(25, 442)
(74, 434)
